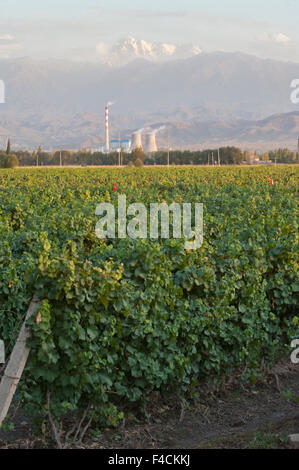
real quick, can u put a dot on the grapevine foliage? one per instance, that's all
(123, 318)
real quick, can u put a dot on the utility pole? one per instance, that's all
(213, 159)
(209, 159)
(119, 150)
(219, 158)
(38, 153)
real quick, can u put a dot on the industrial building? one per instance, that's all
(127, 145)
(124, 144)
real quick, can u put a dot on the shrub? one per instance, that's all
(12, 161)
(138, 156)
(139, 163)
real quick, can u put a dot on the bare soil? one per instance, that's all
(260, 415)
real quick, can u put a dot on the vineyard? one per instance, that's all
(121, 319)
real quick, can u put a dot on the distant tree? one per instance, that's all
(8, 147)
(12, 161)
(231, 155)
(138, 154)
(38, 155)
(139, 163)
(3, 158)
(283, 156)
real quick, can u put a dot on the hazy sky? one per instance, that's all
(74, 28)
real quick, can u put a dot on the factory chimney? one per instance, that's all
(107, 145)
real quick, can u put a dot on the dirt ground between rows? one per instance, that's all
(237, 416)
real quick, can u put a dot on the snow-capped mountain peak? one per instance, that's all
(130, 48)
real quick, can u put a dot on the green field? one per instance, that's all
(121, 319)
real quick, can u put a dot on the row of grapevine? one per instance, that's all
(121, 319)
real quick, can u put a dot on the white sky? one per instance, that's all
(73, 28)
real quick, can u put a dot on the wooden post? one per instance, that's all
(294, 441)
(16, 364)
(2, 352)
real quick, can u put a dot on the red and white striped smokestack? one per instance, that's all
(107, 146)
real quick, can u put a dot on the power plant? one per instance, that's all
(150, 145)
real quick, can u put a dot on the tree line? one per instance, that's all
(223, 156)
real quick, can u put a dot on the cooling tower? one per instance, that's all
(150, 143)
(150, 140)
(136, 140)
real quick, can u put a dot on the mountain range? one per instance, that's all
(207, 97)
(128, 49)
